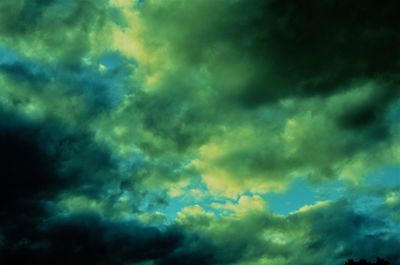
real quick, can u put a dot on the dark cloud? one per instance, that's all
(319, 48)
(338, 231)
(326, 232)
(290, 48)
(195, 250)
(323, 233)
(260, 54)
(26, 170)
(41, 159)
(71, 184)
(323, 48)
(39, 163)
(89, 239)
(174, 119)
(368, 115)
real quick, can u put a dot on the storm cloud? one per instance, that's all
(199, 132)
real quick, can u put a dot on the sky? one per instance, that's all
(209, 132)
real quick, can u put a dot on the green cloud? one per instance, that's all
(130, 110)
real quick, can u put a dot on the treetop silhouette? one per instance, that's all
(378, 261)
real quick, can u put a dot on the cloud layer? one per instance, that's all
(156, 132)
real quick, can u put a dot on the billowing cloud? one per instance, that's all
(324, 232)
(262, 91)
(157, 132)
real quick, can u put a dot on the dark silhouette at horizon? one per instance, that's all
(378, 261)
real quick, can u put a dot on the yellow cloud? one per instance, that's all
(244, 205)
(311, 207)
(392, 198)
(194, 216)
